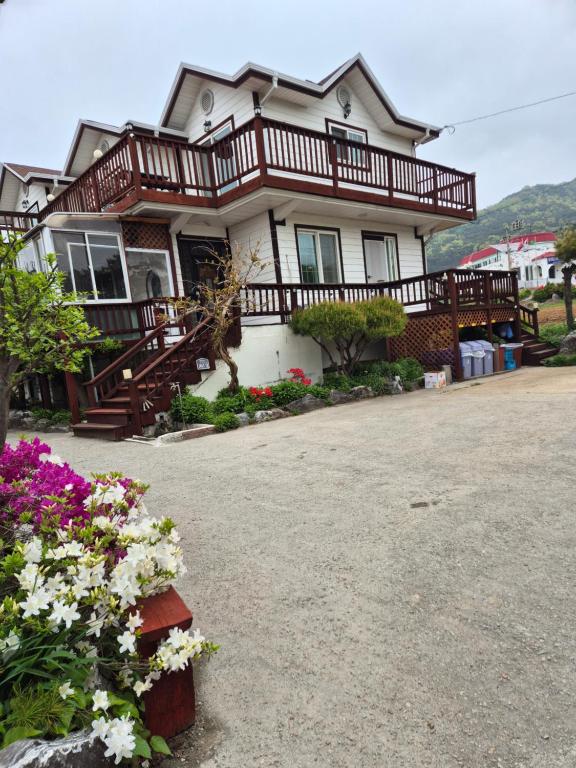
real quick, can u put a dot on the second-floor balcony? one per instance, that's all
(263, 153)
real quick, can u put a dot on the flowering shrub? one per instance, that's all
(259, 393)
(298, 375)
(77, 557)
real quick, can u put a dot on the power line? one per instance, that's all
(450, 127)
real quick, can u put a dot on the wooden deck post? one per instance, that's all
(517, 321)
(488, 300)
(135, 407)
(72, 393)
(453, 296)
(134, 162)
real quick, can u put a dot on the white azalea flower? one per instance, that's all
(66, 690)
(33, 550)
(51, 458)
(127, 642)
(29, 576)
(141, 687)
(100, 701)
(36, 601)
(134, 621)
(120, 740)
(100, 728)
(62, 612)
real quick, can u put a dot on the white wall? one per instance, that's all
(264, 357)
(36, 194)
(314, 117)
(227, 101)
(409, 247)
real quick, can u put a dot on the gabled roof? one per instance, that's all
(27, 173)
(13, 175)
(255, 75)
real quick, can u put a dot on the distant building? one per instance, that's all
(533, 256)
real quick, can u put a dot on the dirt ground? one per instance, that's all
(392, 582)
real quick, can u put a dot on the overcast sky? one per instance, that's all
(441, 62)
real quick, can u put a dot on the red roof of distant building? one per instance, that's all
(545, 255)
(533, 237)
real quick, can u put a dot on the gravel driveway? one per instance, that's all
(392, 582)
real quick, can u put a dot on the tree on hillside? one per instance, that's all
(349, 328)
(40, 330)
(566, 252)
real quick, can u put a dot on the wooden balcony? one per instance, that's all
(13, 223)
(264, 153)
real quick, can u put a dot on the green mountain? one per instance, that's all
(542, 208)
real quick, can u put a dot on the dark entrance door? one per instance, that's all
(197, 261)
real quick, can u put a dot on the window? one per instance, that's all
(148, 274)
(92, 264)
(529, 273)
(344, 152)
(31, 257)
(319, 256)
(224, 161)
(552, 272)
(381, 257)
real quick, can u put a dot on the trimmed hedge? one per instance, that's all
(225, 421)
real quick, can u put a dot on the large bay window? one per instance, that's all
(319, 256)
(92, 264)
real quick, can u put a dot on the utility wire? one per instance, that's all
(451, 127)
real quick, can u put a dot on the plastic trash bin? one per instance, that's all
(489, 357)
(466, 358)
(512, 355)
(478, 355)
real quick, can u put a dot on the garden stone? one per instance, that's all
(336, 397)
(555, 297)
(28, 422)
(305, 404)
(568, 346)
(243, 418)
(361, 392)
(41, 424)
(78, 750)
(58, 428)
(270, 415)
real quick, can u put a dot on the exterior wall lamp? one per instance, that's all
(347, 110)
(207, 125)
(258, 110)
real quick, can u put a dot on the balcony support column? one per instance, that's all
(453, 295)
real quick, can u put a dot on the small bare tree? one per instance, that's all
(220, 303)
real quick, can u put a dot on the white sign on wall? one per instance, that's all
(202, 364)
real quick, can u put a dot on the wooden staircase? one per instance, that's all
(535, 350)
(119, 407)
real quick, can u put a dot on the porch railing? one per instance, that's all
(13, 223)
(434, 292)
(263, 152)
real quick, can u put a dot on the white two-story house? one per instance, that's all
(323, 178)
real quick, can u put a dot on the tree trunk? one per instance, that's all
(5, 392)
(567, 272)
(223, 354)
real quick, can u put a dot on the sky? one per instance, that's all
(440, 62)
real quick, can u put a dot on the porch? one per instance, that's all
(142, 168)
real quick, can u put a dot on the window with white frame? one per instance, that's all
(319, 255)
(345, 152)
(529, 272)
(93, 265)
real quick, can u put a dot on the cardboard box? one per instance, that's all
(435, 380)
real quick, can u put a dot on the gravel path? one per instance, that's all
(392, 582)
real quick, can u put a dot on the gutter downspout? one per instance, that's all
(272, 88)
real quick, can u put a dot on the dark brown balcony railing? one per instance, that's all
(260, 153)
(12, 223)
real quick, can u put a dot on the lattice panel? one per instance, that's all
(428, 339)
(503, 315)
(471, 317)
(140, 235)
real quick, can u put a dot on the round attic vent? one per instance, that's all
(207, 101)
(343, 96)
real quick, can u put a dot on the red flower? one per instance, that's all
(299, 377)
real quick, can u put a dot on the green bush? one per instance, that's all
(553, 333)
(560, 361)
(54, 417)
(337, 381)
(192, 410)
(410, 370)
(225, 421)
(234, 404)
(524, 293)
(287, 391)
(350, 327)
(322, 393)
(544, 293)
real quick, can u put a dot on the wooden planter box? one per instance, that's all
(170, 705)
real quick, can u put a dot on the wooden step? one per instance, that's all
(118, 416)
(112, 432)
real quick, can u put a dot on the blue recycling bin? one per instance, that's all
(509, 362)
(466, 355)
